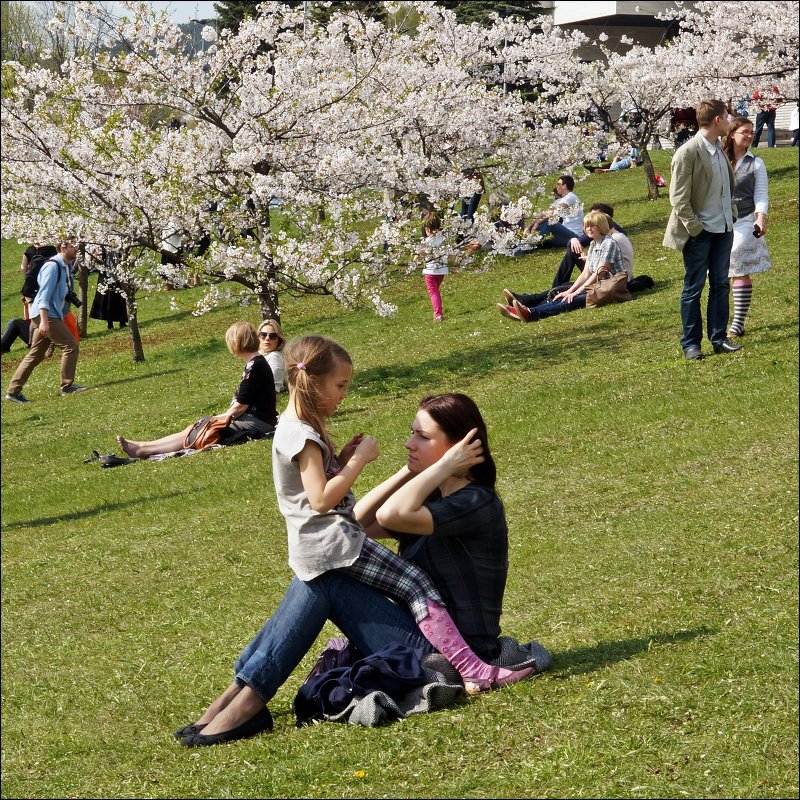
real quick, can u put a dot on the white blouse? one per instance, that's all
(275, 361)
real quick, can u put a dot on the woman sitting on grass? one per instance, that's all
(604, 255)
(272, 341)
(453, 527)
(252, 413)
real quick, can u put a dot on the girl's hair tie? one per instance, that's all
(301, 365)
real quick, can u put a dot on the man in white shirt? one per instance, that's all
(701, 226)
(565, 217)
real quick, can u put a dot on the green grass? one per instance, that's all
(652, 505)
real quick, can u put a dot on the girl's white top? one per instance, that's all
(435, 265)
(317, 542)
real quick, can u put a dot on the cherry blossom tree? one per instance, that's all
(722, 50)
(304, 153)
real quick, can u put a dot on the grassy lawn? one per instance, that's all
(653, 513)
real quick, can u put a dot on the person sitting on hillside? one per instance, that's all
(16, 329)
(498, 200)
(563, 220)
(625, 158)
(271, 344)
(573, 257)
(252, 413)
(684, 124)
(604, 254)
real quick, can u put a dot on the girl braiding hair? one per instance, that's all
(313, 486)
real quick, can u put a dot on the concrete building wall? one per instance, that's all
(636, 20)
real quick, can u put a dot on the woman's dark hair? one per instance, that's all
(456, 414)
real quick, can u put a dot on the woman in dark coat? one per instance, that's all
(109, 302)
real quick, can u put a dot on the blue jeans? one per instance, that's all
(765, 118)
(555, 307)
(368, 619)
(561, 233)
(706, 253)
(469, 205)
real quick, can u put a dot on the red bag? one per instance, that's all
(205, 432)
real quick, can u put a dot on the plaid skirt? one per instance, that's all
(384, 570)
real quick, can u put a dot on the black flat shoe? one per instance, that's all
(188, 730)
(726, 346)
(255, 725)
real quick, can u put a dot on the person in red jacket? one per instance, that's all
(767, 101)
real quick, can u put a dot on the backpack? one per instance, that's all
(640, 283)
(31, 283)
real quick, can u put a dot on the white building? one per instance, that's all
(636, 20)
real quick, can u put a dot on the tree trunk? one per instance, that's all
(83, 293)
(268, 296)
(649, 171)
(133, 323)
(268, 300)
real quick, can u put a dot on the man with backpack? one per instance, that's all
(32, 260)
(47, 321)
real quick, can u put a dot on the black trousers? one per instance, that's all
(16, 329)
(568, 263)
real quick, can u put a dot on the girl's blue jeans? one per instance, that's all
(368, 619)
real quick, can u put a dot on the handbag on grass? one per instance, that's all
(608, 289)
(205, 432)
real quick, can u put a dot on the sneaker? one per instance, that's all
(508, 312)
(17, 398)
(438, 317)
(509, 296)
(73, 389)
(522, 311)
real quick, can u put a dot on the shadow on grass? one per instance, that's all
(176, 316)
(589, 659)
(777, 331)
(135, 378)
(73, 516)
(646, 227)
(782, 172)
(568, 344)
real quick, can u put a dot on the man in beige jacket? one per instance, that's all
(701, 226)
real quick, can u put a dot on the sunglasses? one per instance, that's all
(270, 336)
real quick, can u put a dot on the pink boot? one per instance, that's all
(478, 676)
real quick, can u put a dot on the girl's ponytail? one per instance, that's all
(308, 359)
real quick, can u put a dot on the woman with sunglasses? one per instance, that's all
(271, 344)
(252, 413)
